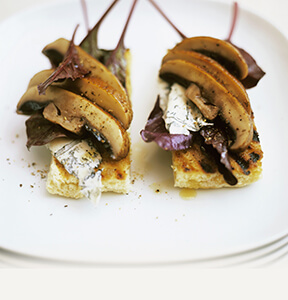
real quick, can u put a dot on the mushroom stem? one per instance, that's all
(208, 110)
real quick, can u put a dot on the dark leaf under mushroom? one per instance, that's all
(214, 137)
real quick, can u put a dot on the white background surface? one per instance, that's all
(177, 282)
(273, 11)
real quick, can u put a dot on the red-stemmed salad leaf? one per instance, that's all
(155, 131)
(70, 67)
(41, 131)
(115, 59)
(216, 137)
(183, 36)
(90, 41)
(255, 73)
(212, 136)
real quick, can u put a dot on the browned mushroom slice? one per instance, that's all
(56, 51)
(230, 108)
(72, 112)
(40, 77)
(208, 110)
(96, 91)
(216, 70)
(224, 52)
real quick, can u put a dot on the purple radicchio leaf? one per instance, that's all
(255, 73)
(155, 131)
(216, 137)
(70, 67)
(41, 131)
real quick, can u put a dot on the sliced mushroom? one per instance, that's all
(96, 91)
(230, 108)
(216, 70)
(220, 50)
(73, 112)
(40, 77)
(56, 51)
(208, 110)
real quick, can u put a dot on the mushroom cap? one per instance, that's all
(212, 67)
(73, 112)
(97, 91)
(56, 50)
(220, 50)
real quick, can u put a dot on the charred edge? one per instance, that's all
(254, 157)
(214, 157)
(244, 164)
(119, 175)
(256, 136)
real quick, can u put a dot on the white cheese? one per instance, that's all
(163, 92)
(180, 115)
(81, 159)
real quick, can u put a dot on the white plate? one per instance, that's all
(144, 226)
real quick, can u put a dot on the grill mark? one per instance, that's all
(244, 164)
(254, 157)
